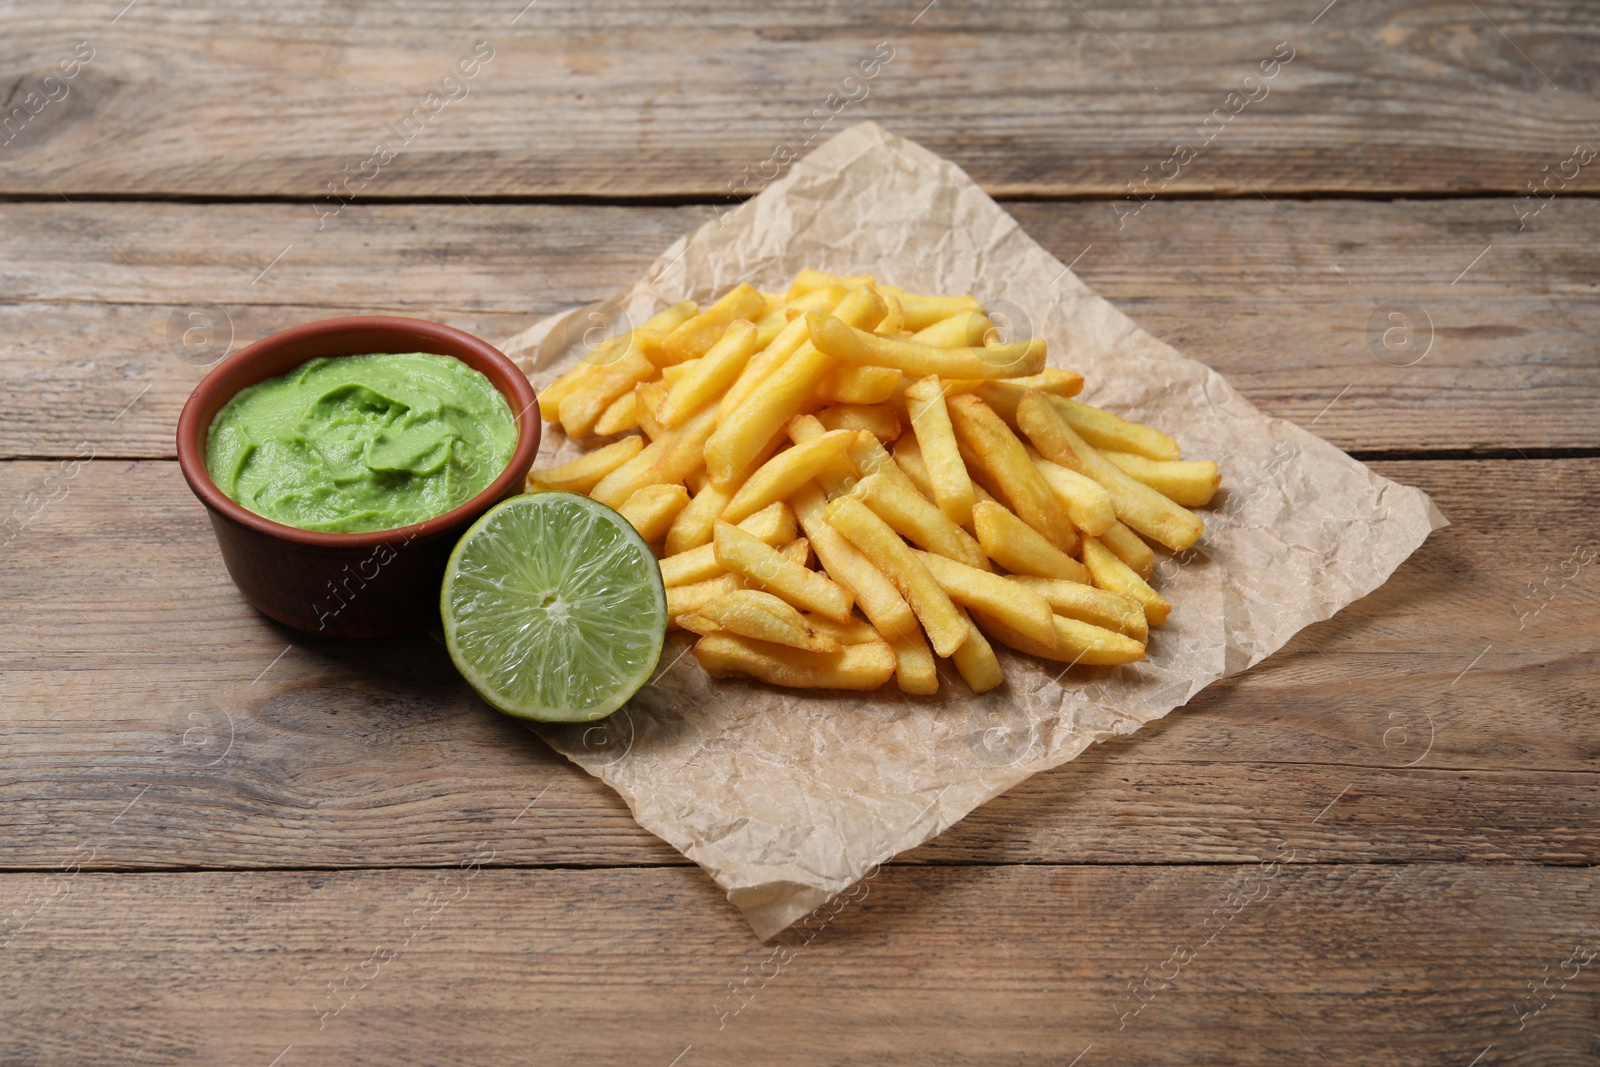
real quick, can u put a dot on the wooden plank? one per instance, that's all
(1410, 964)
(1509, 362)
(644, 99)
(1450, 713)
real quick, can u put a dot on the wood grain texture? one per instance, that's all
(635, 98)
(93, 305)
(1407, 964)
(1450, 713)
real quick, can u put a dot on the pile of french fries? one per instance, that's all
(753, 450)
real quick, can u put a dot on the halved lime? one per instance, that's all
(554, 608)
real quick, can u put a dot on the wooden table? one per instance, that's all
(225, 843)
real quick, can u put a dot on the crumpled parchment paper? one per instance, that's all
(787, 797)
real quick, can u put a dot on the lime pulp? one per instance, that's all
(554, 608)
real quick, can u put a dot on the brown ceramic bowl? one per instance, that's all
(346, 584)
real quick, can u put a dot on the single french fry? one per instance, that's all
(762, 616)
(1004, 395)
(1136, 504)
(1076, 642)
(685, 600)
(1104, 430)
(1086, 500)
(1020, 548)
(1086, 603)
(877, 419)
(584, 473)
(1130, 548)
(652, 509)
(964, 329)
(852, 345)
(780, 476)
(914, 517)
(621, 416)
(860, 667)
(851, 632)
(744, 430)
(810, 278)
(946, 474)
(1019, 607)
(854, 383)
(582, 408)
(773, 525)
(1190, 482)
(922, 311)
(749, 556)
(976, 661)
(915, 670)
(1109, 572)
(790, 340)
(880, 544)
(874, 593)
(669, 458)
(1004, 460)
(692, 528)
(695, 336)
(710, 375)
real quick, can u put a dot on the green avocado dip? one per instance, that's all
(362, 443)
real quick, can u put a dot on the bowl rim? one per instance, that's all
(191, 435)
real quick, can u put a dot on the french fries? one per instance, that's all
(912, 516)
(1105, 430)
(939, 452)
(774, 525)
(581, 475)
(652, 509)
(745, 554)
(1102, 607)
(1190, 482)
(753, 436)
(1129, 548)
(877, 419)
(888, 553)
(845, 342)
(864, 666)
(782, 475)
(1076, 642)
(694, 337)
(857, 384)
(1005, 461)
(975, 659)
(1136, 504)
(1020, 548)
(709, 377)
(1019, 607)
(1086, 500)
(761, 616)
(743, 431)
(1109, 572)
